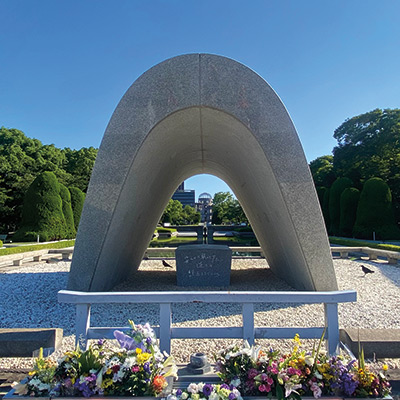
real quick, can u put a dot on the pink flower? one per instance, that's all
(264, 388)
(252, 373)
(270, 381)
(264, 377)
(135, 368)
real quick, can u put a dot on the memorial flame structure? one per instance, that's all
(194, 114)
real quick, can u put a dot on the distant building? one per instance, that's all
(204, 206)
(186, 197)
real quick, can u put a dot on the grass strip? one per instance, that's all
(362, 243)
(33, 247)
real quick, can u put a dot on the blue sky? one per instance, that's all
(65, 64)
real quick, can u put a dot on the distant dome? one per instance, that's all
(205, 196)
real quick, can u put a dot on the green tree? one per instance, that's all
(65, 195)
(334, 203)
(348, 210)
(190, 216)
(227, 209)
(42, 212)
(322, 171)
(173, 212)
(77, 201)
(375, 213)
(79, 166)
(22, 159)
(369, 146)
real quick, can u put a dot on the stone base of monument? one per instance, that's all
(203, 265)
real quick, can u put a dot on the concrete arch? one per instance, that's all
(200, 113)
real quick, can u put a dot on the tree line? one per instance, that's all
(359, 185)
(22, 159)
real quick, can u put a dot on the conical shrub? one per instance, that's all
(42, 211)
(65, 195)
(375, 212)
(334, 203)
(348, 210)
(77, 200)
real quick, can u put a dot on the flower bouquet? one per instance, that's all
(206, 391)
(137, 368)
(256, 372)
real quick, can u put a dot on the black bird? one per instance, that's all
(166, 264)
(366, 270)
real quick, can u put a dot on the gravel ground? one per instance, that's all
(29, 300)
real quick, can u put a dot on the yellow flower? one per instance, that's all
(385, 367)
(138, 351)
(143, 357)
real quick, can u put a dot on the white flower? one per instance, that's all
(213, 396)
(200, 387)
(193, 388)
(172, 397)
(291, 387)
(184, 396)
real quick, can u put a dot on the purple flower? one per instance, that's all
(178, 392)
(148, 340)
(125, 341)
(207, 389)
(146, 367)
(224, 386)
(232, 396)
(100, 342)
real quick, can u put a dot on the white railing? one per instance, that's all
(84, 300)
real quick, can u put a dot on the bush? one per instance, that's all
(67, 211)
(334, 203)
(42, 212)
(362, 243)
(1, 243)
(375, 212)
(348, 210)
(77, 200)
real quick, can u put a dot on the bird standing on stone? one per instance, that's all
(166, 264)
(366, 270)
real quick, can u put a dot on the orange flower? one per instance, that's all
(159, 383)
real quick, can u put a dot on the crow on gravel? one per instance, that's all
(366, 270)
(166, 264)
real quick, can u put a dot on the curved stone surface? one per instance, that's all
(193, 114)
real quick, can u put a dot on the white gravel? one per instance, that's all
(29, 300)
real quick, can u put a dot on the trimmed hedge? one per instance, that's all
(166, 230)
(33, 247)
(375, 212)
(334, 203)
(42, 213)
(348, 210)
(67, 211)
(77, 200)
(1, 243)
(362, 243)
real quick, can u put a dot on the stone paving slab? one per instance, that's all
(378, 343)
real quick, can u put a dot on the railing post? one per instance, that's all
(248, 322)
(165, 327)
(82, 324)
(332, 327)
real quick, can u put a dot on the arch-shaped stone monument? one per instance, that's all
(193, 114)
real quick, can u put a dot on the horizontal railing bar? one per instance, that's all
(288, 333)
(65, 296)
(207, 332)
(220, 332)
